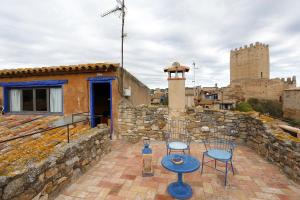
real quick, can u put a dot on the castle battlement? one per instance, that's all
(250, 47)
(289, 80)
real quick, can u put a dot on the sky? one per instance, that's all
(55, 32)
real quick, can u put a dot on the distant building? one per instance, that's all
(291, 103)
(208, 97)
(158, 96)
(250, 62)
(189, 97)
(250, 75)
(63, 90)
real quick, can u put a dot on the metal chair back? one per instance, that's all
(220, 139)
(177, 131)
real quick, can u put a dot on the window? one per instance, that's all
(55, 100)
(41, 96)
(36, 100)
(15, 100)
(27, 100)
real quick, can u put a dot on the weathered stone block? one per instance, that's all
(14, 188)
(51, 172)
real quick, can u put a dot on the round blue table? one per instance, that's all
(179, 189)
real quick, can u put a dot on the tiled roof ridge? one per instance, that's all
(61, 68)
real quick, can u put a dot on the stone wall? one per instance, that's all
(136, 122)
(45, 179)
(253, 130)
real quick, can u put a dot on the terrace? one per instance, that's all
(119, 176)
(266, 161)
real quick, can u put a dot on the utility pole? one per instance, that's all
(122, 45)
(120, 7)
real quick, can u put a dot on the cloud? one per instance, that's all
(41, 33)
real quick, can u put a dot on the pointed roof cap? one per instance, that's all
(176, 67)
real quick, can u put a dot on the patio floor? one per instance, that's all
(118, 176)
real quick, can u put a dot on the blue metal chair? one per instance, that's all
(219, 147)
(177, 137)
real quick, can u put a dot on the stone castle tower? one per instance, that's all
(250, 62)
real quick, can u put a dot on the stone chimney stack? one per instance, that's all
(176, 83)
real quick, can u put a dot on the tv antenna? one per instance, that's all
(120, 7)
(194, 80)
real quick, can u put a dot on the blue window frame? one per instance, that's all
(33, 86)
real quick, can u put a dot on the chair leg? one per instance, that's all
(215, 164)
(202, 163)
(226, 171)
(232, 166)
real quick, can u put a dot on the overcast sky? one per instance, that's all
(63, 32)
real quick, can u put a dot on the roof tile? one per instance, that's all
(68, 69)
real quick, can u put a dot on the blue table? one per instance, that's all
(179, 189)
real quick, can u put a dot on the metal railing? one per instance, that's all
(84, 114)
(45, 130)
(67, 125)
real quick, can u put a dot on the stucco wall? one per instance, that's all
(189, 101)
(140, 93)
(291, 104)
(75, 92)
(176, 95)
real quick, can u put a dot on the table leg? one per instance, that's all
(179, 189)
(179, 180)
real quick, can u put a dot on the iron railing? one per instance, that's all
(67, 125)
(84, 114)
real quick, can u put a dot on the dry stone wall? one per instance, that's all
(45, 179)
(150, 121)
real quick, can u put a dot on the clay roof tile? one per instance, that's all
(70, 68)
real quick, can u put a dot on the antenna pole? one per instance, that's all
(120, 7)
(194, 67)
(122, 46)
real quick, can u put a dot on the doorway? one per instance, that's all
(100, 103)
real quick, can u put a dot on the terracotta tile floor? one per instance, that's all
(118, 176)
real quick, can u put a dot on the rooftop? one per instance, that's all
(118, 176)
(16, 154)
(58, 69)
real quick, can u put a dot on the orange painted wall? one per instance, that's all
(75, 92)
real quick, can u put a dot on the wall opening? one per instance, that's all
(102, 103)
